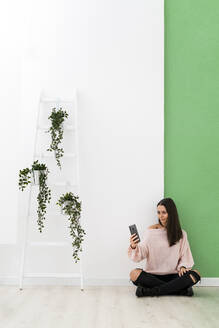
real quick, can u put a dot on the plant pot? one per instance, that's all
(65, 203)
(36, 176)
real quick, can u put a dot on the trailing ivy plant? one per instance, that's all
(24, 178)
(71, 206)
(56, 130)
(44, 195)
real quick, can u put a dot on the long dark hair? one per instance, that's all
(174, 231)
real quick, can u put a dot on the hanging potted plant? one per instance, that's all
(71, 206)
(39, 174)
(38, 170)
(56, 130)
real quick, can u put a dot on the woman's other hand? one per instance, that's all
(182, 271)
(134, 240)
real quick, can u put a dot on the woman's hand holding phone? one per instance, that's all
(134, 240)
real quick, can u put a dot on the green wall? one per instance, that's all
(192, 124)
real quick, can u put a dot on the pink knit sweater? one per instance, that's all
(160, 257)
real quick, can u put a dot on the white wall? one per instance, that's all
(112, 52)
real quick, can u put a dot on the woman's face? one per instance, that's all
(162, 214)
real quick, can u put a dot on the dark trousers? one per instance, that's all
(166, 284)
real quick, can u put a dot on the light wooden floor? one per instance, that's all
(105, 307)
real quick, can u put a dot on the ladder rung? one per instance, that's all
(49, 243)
(67, 127)
(61, 184)
(52, 275)
(52, 155)
(53, 214)
(57, 100)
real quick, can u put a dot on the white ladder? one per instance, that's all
(75, 156)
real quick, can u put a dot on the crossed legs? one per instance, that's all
(166, 284)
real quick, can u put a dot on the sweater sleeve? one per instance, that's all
(140, 252)
(185, 258)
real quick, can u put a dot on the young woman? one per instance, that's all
(169, 262)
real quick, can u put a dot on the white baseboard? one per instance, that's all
(65, 281)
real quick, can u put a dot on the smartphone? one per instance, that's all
(133, 229)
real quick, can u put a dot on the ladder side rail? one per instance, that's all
(77, 172)
(26, 222)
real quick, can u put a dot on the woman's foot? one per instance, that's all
(186, 292)
(139, 291)
(143, 291)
